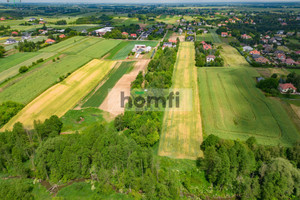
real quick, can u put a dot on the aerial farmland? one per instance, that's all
(86, 95)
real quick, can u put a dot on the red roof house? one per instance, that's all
(49, 41)
(124, 33)
(14, 33)
(287, 87)
(224, 34)
(133, 35)
(254, 52)
(62, 36)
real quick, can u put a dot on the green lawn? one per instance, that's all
(115, 50)
(99, 96)
(297, 71)
(233, 108)
(68, 43)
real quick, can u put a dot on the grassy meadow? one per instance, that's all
(233, 108)
(182, 130)
(63, 96)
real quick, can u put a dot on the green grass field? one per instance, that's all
(12, 63)
(31, 86)
(68, 43)
(72, 119)
(81, 45)
(297, 71)
(215, 36)
(205, 37)
(233, 108)
(115, 50)
(99, 49)
(122, 53)
(99, 96)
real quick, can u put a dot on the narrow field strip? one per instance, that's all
(63, 96)
(98, 97)
(182, 130)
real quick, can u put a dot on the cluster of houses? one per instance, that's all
(103, 31)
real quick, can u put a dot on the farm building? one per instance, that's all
(139, 48)
(49, 41)
(210, 58)
(284, 88)
(104, 30)
(10, 41)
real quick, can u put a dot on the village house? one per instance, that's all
(190, 32)
(190, 38)
(104, 30)
(281, 56)
(254, 52)
(224, 34)
(285, 87)
(207, 47)
(14, 33)
(62, 36)
(210, 58)
(290, 61)
(247, 48)
(2, 19)
(32, 19)
(133, 35)
(125, 33)
(168, 44)
(246, 37)
(49, 41)
(262, 60)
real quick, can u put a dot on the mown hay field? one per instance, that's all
(181, 135)
(63, 96)
(233, 108)
(100, 94)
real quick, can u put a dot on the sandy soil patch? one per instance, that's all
(174, 36)
(112, 102)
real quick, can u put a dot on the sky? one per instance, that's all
(147, 1)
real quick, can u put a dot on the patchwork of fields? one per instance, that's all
(63, 96)
(76, 51)
(182, 130)
(233, 108)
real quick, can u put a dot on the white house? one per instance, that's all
(210, 58)
(104, 30)
(10, 41)
(284, 88)
(247, 48)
